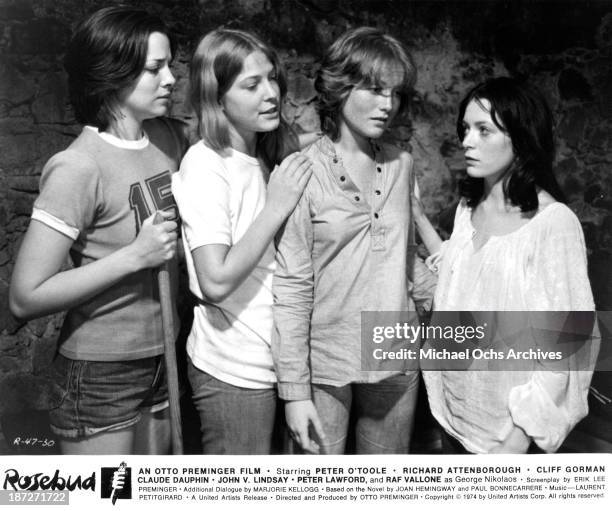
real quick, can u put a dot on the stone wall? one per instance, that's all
(565, 47)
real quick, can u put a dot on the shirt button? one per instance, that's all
(357, 198)
(378, 169)
(377, 192)
(342, 178)
(375, 215)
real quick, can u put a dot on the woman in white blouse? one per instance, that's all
(515, 246)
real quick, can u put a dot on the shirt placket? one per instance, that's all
(377, 201)
(347, 185)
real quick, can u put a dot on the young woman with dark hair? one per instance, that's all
(348, 248)
(523, 114)
(97, 203)
(515, 247)
(235, 188)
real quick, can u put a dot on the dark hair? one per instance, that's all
(520, 111)
(106, 54)
(358, 58)
(217, 61)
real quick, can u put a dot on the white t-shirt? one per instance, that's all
(218, 198)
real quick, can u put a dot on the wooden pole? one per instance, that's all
(165, 299)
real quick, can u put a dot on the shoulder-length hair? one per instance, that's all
(106, 54)
(520, 111)
(216, 62)
(359, 58)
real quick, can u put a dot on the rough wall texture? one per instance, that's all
(565, 47)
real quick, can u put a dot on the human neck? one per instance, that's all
(494, 196)
(126, 128)
(245, 142)
(351, 143)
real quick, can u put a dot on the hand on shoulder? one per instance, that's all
(306, 139)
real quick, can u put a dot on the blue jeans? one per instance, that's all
(234, 420)
(384, 413)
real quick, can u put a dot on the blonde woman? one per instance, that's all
(235, 188)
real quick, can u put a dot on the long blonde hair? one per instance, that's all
(216, 62)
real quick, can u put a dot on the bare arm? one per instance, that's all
(38, 287)
(428, 234)
(222, 268)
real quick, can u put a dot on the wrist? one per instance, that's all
(275, 213)
(131, 259)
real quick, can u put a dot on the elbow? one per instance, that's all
(216, 288)
(23, 303)
(215, 293)
(19, 308)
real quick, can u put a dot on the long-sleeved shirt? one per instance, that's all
(541, 266)
(342, 253)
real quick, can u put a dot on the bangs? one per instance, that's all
(382, 67)
(479, 96)
(495, 116)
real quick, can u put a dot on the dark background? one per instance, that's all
(565, 47)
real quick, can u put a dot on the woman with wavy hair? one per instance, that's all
(346, 249)
(235, 188)
(515, 246)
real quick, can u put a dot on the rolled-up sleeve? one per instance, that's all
(424, 286)
(292, 288)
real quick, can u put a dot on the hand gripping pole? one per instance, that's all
(165, 299)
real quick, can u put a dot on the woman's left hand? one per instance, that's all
(517, 442)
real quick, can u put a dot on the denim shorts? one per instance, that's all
(106, 396)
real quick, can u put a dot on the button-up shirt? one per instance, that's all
(342, 253)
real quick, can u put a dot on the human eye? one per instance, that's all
(153, 68)
(484, 130)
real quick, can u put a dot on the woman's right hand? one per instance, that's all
(156, 242)
(300, 415)
(287, 182)
(39, 286)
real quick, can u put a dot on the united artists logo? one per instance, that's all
(116, 482)
(39, 481)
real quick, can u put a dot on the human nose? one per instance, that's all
(168, 79)
(467, 141)
(271, 90)
(386, 101)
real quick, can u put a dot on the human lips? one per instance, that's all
(471, 160)
(271, 111)
(382, 119)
